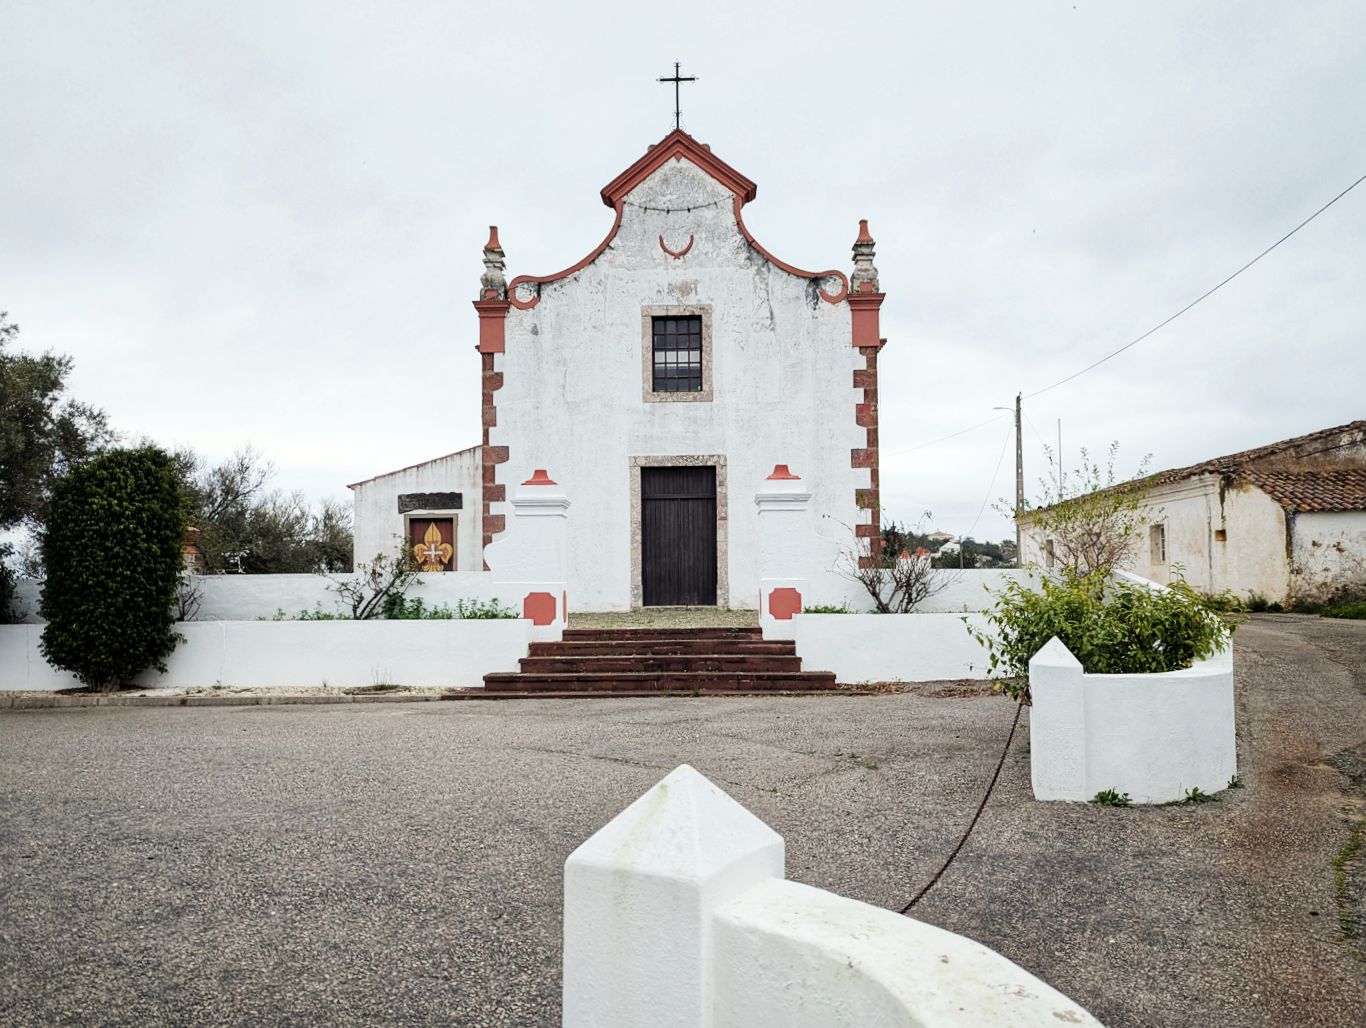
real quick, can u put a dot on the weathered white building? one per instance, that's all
(1284, 521)
(659, 381)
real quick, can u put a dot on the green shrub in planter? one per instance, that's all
(111, 544)
(1111, 627)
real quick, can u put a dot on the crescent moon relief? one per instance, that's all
(675, 254)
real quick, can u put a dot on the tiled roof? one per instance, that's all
(1320, 442)
(1298, 491)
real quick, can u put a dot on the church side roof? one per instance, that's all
(411, 467)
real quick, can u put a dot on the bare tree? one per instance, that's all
(376, 582)
(895, 578)
(1087, 522)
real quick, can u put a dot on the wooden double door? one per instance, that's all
(678, 536)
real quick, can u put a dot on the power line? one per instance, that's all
(991, 488)
(1134, 342)
(1207, 293)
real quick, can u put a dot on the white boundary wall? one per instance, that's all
(254, 597)
(1153, 736)
(886, 647)
(265, 654)
(677, 915)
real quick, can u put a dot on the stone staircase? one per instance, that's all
(647, 661)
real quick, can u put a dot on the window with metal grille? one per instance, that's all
(678, 354)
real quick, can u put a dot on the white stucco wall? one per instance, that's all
(378, 526)
(782, 376)
(1328, 553)
(886, 647)
(1153, 736)
(266, 654)
(1251, 559)
(677, 915)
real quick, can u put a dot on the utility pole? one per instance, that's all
(1019, 482)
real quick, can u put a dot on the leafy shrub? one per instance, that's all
(1355, 610)
(828, 608)
(1111, 798)
(481, 611)
(1111, 627)
(111, 545)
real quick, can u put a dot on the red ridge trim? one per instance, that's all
(678, 144)
(827, 297)
(526, 305)
(539, 477)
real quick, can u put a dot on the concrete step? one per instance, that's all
(599, 665)
(587, 634)
(658, 682)
(664, 647)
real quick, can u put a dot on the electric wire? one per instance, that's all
(991, 488)
(1134, 342)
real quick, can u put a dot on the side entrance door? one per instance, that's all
(678, 536)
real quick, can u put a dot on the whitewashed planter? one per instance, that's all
(1153, 736)
(676, 915)
(886, 647)
(267, 654)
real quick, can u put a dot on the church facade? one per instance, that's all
(660, 381)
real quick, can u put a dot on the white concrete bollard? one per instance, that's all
(677, 916)
(530, 561)
(639, 897)
(1057, 723)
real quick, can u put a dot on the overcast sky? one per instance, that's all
(261, 222)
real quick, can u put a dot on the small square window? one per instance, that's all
(1220, 535)
(1157, 544)
(677, 351)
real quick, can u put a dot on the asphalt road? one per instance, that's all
(400, 864)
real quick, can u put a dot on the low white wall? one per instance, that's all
(1153, 736)
(955, 591)
(676, 914)
(264, 654)
(249, 597)
(886, 647)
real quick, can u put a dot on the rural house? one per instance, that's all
(1286, 521)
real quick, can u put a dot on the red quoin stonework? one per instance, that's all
(865, 303)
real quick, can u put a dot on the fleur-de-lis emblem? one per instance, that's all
(432, 554)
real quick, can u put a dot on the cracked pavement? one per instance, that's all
(401, 863)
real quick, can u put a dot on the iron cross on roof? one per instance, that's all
(676, 79)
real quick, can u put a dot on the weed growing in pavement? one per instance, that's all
(1347, 922)
(871, 765)
(1110, 798)
(1236, 782)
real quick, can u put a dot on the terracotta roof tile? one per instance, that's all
(1322, 441)
(1300, 491)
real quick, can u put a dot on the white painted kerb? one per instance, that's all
(676, 914)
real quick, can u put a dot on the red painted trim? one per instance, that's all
(678, 144)
(866, 325)
(526, 305)
(493, 243)
(676, 254)
(819, 275)
(492, 324)
(539, 477)
(781, 474)
(863, 235)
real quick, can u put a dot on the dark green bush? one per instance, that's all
(1111, 627)
(1354, 610)
(111, 545)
